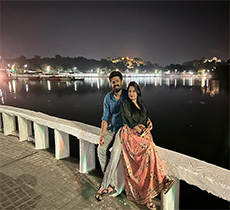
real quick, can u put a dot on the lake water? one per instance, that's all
(190, 115)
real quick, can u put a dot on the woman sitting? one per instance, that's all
(144, 171)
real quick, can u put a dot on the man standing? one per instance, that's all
(111, 120)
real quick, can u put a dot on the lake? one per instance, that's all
(190, 115)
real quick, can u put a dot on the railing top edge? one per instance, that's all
(206, 176)
(29, 114)
(173, 154)
(81, 130)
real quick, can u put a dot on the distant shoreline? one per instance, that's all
(81, 76)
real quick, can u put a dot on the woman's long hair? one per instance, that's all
(137, 114)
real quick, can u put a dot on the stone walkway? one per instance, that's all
(34, 179)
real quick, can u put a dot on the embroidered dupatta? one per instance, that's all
(143, 169)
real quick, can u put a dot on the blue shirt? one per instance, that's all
(111, 112)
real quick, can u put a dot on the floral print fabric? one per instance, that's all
(143, 169)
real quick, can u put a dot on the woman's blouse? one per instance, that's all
(127, 118)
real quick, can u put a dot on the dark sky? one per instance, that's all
(162, 32)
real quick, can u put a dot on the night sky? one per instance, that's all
(160, 32)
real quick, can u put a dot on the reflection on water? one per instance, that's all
(27, 87)
(75, 86)
(210, 87)
(1, 96)
(48, 85)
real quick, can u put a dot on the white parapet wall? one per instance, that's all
(23, 126)
(1, 122)
(206, 176)
(61, 144)
(10, 124)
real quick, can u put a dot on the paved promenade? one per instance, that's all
(34, 179)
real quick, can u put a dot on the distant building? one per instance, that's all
(212, 59)
(129, 62)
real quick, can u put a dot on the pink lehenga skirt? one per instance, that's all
(143, 169)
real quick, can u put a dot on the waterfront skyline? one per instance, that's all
(160, 32)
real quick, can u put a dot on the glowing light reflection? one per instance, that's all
(172, 80)
(48, 85)
(60, 144)
(10, 88)
(203, 82)
(167, 82)
(190, 81)
(160, 79)
(207, 86)
(120, 190)
(84, 163)
(183, 81)
(1, 96)
(98, 84)
(27, 88)
(173, 196)
(68, 84)
(14, 86)
(155, 81)
(75, 86)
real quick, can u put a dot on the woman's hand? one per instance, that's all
(138, 128)
(147, 135)
(150, 124)
(149, 128)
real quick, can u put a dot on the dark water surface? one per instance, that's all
(190, 116)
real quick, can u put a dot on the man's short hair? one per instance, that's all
(115, 73)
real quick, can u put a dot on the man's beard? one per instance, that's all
(116, 90)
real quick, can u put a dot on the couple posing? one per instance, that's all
(125, 131)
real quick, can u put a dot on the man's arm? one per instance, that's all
(104, 121)
(104, 126)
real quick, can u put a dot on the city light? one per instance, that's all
(12, 69)
(48, 69)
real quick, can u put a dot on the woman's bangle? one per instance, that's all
(143, 134)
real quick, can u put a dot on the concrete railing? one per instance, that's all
(213, 179)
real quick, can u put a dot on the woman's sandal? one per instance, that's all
(168, 184)
(151, 205)
(106, 191)
(99, 196)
